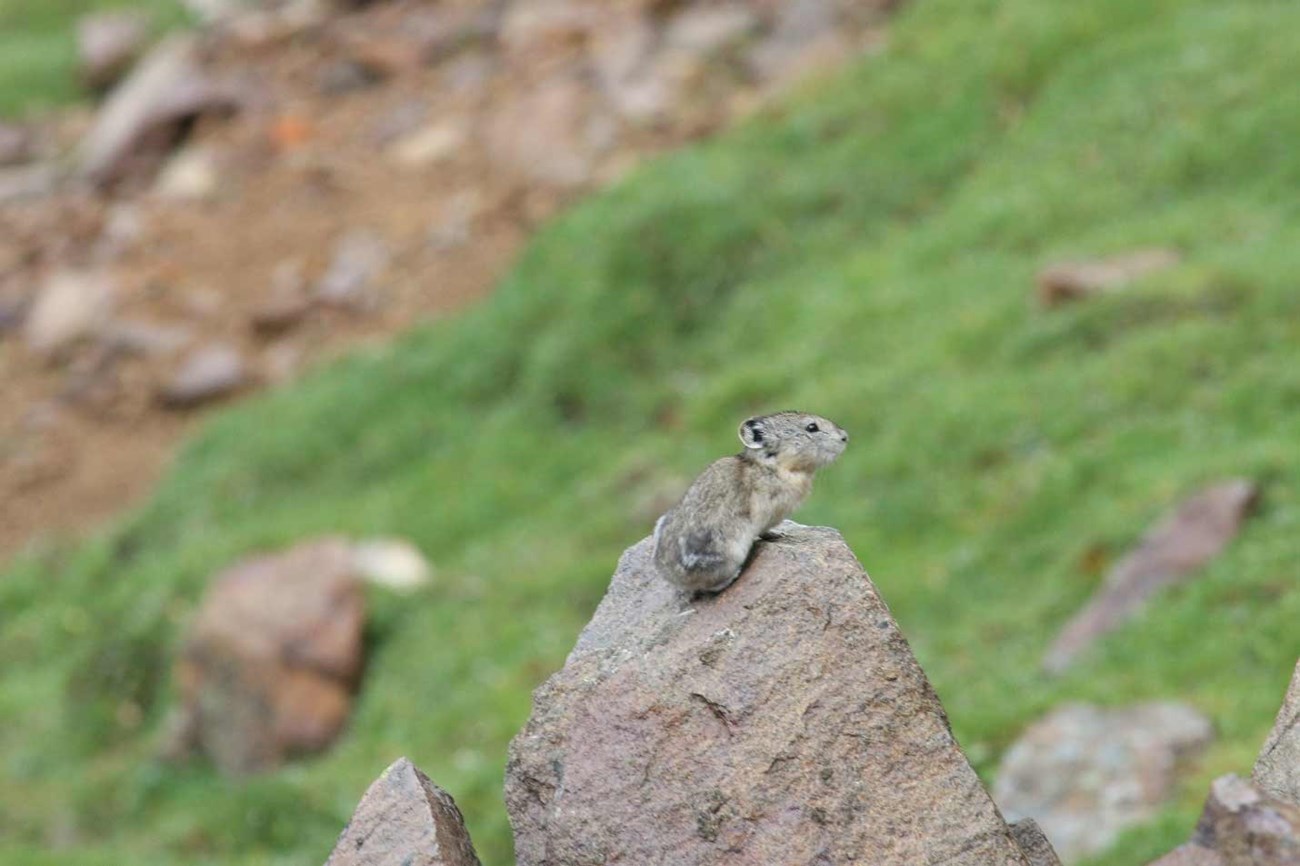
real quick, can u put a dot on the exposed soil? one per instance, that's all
(324, 147)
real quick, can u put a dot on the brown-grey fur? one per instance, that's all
(702, 543)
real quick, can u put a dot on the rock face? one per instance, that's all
(107, 44)
(1085, 773)
(71, 306)
(1277, 772)
(272, 658)
(404, 819)
(782, 721)
(1172, 551)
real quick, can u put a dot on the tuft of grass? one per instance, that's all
(865, 251)
(38, 48)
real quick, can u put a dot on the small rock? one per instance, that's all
(27, 182)
(1169, 553)
(143, 338)
(803, 29)
(108, 44)
(17, 144)
(545, 25)
(71, 306)
(189, 176)
(404, 819)
(705, 29)
(434, 143)
(288, 304)
(346, 76)
(1072, 281)
(391, 562)
(556, 151)
(360, 257)
(271, 659)
(443, 33)
(1246, 828)
(145, 116)
(1277, 771)
(12, 313)
(1190, 855)
(279, 315)
(211, 373)
(1085, 773)
(1033, 842)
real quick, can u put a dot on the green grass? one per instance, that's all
(867, 253)
(38, 48)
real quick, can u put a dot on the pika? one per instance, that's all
(702, 543)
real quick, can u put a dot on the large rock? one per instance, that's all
(146, 116)
(782, 721)
(1277, 772)
(1176, 548)
(1086, 773)
(404, 819)
(271, 660)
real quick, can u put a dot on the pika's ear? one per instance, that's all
(751, 433)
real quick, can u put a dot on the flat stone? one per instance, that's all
(1072, 281)
(210, 373)
(71, 306)
(1170, 553)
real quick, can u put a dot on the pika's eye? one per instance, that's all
(812, 428)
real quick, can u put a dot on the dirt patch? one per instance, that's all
(436, 136)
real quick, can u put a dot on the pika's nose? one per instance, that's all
(844, 437)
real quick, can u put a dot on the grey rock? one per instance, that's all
(404, 819)
(22, 182)
(556, 150)
(1277, 771)
(210, 373)
(143, 118)
(706, 29)
(1033, 842)
(1072, 281)
(1246, 828)
(1086, 773)
(782, 721)
(360, 256)
(190, 175)
(108, 44)
(1190, 855)
(145, 338)
(1172, 551)
(71, 306)
(17, 144)
(802, 27)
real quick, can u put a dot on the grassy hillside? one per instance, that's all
(865, 253)
(38, 48)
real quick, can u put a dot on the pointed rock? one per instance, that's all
(782, 721)
(1031, 839)
(404, 819)
(1277, 772)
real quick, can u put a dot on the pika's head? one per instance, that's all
(795, 440)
